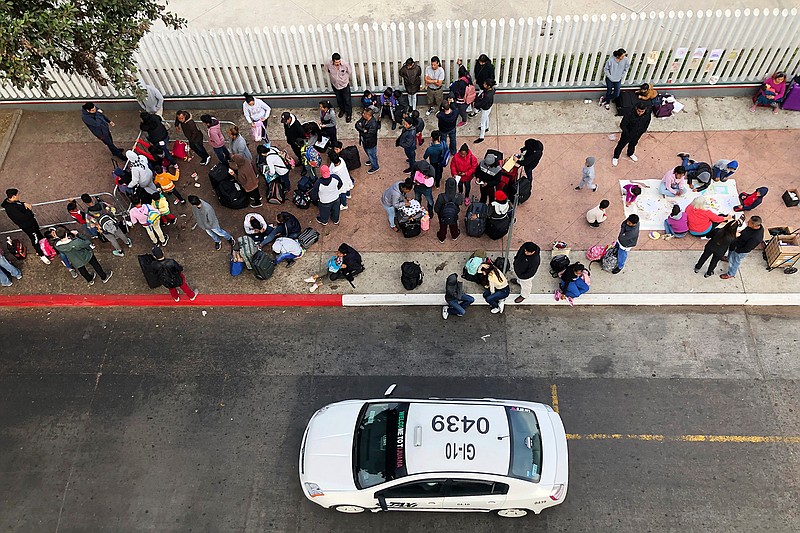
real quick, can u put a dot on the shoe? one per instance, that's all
(372, 171)
(218, 246)
(408, 170)
(336, 223)
(177, 298)
(129, 243)
(595, 189)
(445, 312)
(519, 300)
(456, 237)
(467, 201)
(478, 141)
(394, 125)
(708, 275)
(684, 154)
(91, 281)
(310, 280)
(343, 207)
(607, 106)
(633, 158)
(462, 123)
(10, 283)
(441, 240)
(348, 118)
(118, 253)
(696, 270)
(428, 112)
(594, 224)
(395, 228)
(668, 236)
(502, 305)
(206, 161)
(45, 260)
(601, 101)
(496, 310)
(259, 204)
(321, 222)
(176, 202)
(290, 263)
(18, 277)
(577, 188)
(472, 114)
(724, 258)
(110, 273)
(314, 287)
(616, 271)
(196, 292)
(368, 163)
(166, 240)
(704, 238)
(614, 162)
(341, 113)
(74, 273)
(725, 276)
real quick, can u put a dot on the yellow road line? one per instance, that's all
(554, 394)
(746, 439)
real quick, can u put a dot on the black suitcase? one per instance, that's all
(475, 219)
(497, 228)
(351, 158)
(150, 274)
(231, 195)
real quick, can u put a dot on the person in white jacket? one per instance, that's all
(326, 191)
(256, 113)
(141, 175)
(288, 250)
(339, 168)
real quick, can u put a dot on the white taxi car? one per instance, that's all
(487, 455)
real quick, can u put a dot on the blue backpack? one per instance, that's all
(445, 154)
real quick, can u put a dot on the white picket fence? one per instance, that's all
(703, 47)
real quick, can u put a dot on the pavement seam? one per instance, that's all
(64, 495)
(8, 137)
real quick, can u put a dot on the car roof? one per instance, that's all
(455, 436)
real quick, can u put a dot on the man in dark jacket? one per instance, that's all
(747, 241)
(100, 126)
(447, 206)
(627, 239)
(408, 142)
(367, 128)
(526, 264)
(529, 156)
(349, 265)
(411, 75)
(633, 126)
(457, 300)
(484, 70)
(21, 214)
(287, 226)
(293, 130)
(156, 133)
(170, 274)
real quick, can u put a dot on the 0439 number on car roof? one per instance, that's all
(454, 424)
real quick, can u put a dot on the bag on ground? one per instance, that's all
(308, 237)
(410, 226)
(275, 193)
(497, 228)
(410, 275)
(263, 265)
(609, 261)
(237, 263)
(180, 150)
(16, 248)
(301, 199)
(596, 252)
(150, 273)
(352, 160)
(475, 219)
(47, 249)
(247, 248)
(558, 263)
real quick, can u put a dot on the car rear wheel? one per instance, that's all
(512, 513)
(349, 509)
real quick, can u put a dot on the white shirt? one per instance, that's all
(341, 171)
(275, 163)
(258, 111)
(285, 245)
(595, 215)
(249, 228)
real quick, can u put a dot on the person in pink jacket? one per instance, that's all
(216, 139)
(676, 224)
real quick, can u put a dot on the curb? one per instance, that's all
(8, 137)
(390, 300)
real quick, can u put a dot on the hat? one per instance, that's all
(705, 177)
(733, 164)
(285, 116)
(500, 196)
(590, 161)
(157, 253)
(131, 155)
(490, 160)
(325, 171)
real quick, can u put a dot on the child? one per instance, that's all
(327, 120)
(632, 191)
(588, 176)
(388, 105)
(369, 99)
(166, 182)
(597, 215)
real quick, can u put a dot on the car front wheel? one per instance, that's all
(349, 509)
(512, 513)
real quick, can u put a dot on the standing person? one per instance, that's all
(215, 138)
(408, 142)
(150, 99)
(272, 165)
(6, 266)
(339, 168)
(423, 183)
(627, 239)
(367, 128)
(484, 102)
(526, 264)
(463, 166)
(103, 218)
(185, 123)
(327, 121)
(411, 75)
(458, 93)
(435, 154)
(674, 183)
(256, 113)
(395, 198)
(339, 72)
(166, 182)
(326, 191)
(79, 253)
(100, 126)
(484, 70)
(141, 175)
(170, 274)
(457, 300)
(434, 79)
(150, 220)
(447, 206)
(498, 289)
(717, 245)
(633, 126)
(529, 156)
(587, 180)
(293, 131)
(488, 177)
(244, 173)
(747, 241)
(597, 215)
(447, 120)
(21, 214)
(238, 144)
(157, 133)
(206, 219)
(614, 69)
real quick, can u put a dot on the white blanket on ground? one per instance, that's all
(653, 208)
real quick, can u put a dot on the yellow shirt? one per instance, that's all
(165, 180)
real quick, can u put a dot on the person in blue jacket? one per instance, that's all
(572, 283)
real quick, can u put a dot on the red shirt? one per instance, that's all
(464, 166)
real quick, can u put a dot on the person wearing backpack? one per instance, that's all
(448, 208)
(457, 300)
(526, 264)
(408, 142)
(273, 164)
(103, 218)
(170, 274)
(150, 220)
(437, 155)
(458, 92)
(498, 289)
(79, 252)
(484, 102)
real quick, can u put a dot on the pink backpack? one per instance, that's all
(596, 252)
(47, 249)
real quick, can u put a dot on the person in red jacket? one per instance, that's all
(463, 165)
(751, 200)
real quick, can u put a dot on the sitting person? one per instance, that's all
(369, 99)
(256, 227)
(498, 289)
(771, 92)
(632, 191)
(676, 224)
(724, 169)
(598, 215)
(696, 171)
(646, 93)
(674, 182)
(288, 250)
(751, 200)
(700, 220)
(573, 282)
(287, 226)
(388, 106)
(345, 264)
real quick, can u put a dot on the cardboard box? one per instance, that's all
(791, 198)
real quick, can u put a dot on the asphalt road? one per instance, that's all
(167, 420)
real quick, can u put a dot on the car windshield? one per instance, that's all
(526, 444)
(379, 451)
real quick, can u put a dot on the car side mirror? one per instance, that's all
(382, 502)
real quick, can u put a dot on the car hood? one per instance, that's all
(328, 448)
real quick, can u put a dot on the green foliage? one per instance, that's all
(92, 38)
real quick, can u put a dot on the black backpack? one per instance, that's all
(275, 193)
(263, 265)
(449, 213)
(351, 158)
(525, 188)
(302, 199)
(410, 275)
(557, 264)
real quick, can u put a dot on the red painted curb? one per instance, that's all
(164, 300)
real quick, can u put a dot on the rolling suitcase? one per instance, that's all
(475, 219)
(792, 100)
(351, 158)
(150, 274)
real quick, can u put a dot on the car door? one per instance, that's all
(422, 495)
(474, 495)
